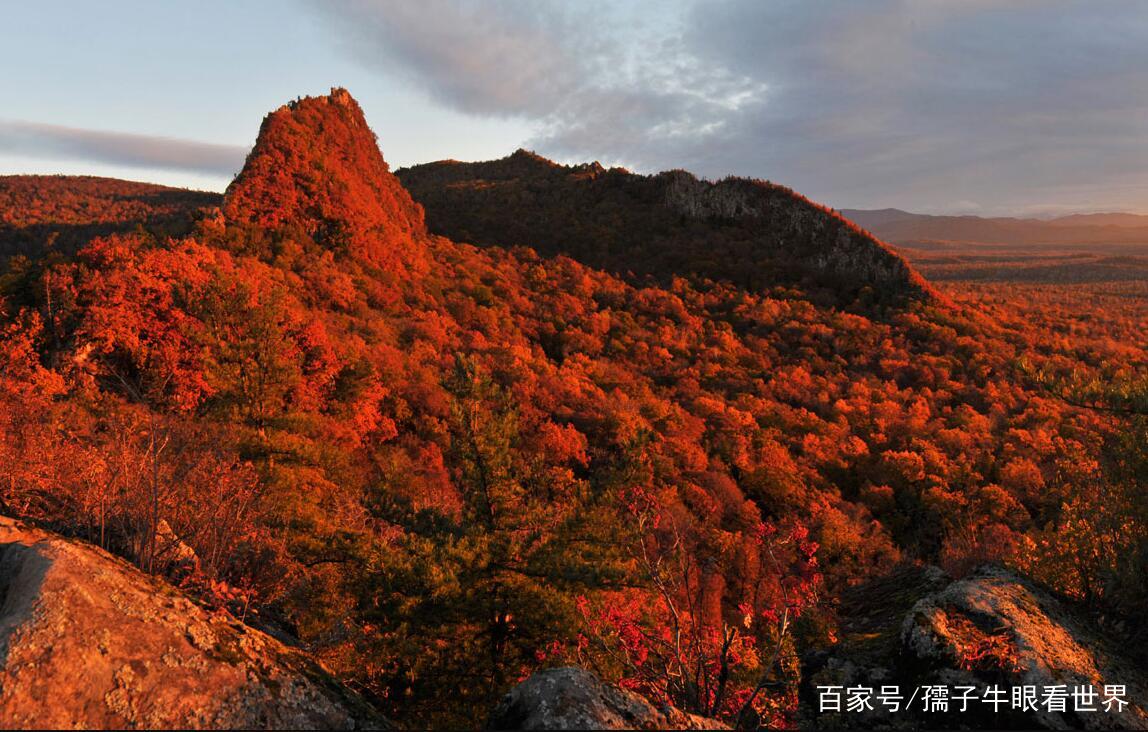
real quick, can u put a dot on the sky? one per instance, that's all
(987, 107)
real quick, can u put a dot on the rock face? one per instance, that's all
(88, 641)
(993, 628)
(316, 165)
(996, 624)
(573, 698)
(751, 233)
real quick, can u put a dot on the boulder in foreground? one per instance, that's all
(917, 628)
(997, 627)
(87, 640)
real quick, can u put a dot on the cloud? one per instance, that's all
(911, 103)
(595, 78)
(915, 103)
(35, 139)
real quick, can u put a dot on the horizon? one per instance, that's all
(222, 190)
(940, 108)
(817, 427)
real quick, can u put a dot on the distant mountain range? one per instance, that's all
(902, 227)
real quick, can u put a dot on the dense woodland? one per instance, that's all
(45, 215)
(441, 466)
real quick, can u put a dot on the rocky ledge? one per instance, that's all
(87, 640)
(993, 630)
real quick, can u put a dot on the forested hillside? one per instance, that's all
(658, 444)
(750, 233)
(40, 214)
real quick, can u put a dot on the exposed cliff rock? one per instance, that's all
(994, 628)
(830, 244)
(316, 165)
(996, 625)
(749, 232)
(573, 698)
(88, 641)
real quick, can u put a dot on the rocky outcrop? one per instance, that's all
(918, 629)
(573, 698)
(317, 166)
(997, 625)
(88, 641)
(828, 243)
(751, 233)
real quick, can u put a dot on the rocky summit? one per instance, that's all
(317, 167)
(87, 640)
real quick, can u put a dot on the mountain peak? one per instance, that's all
(524, 155)
(316, 164)
(342, 97)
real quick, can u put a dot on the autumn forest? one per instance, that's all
(446, 426)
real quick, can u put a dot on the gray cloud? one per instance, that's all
(989, 105)
(36, 139)
(500, 58)
(598, 80)
(1009, 104)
